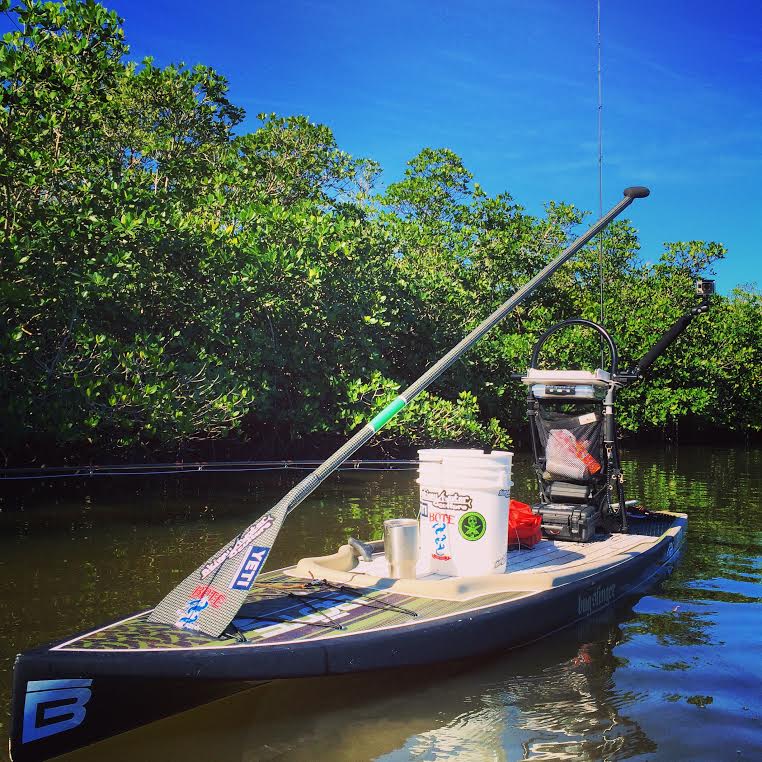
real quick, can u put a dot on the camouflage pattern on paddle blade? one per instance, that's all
(208, 599)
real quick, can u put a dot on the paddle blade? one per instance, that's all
(208, 600)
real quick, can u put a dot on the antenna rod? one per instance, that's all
(600, 175)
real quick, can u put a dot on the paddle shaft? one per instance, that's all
(209, 598)
(298, 493)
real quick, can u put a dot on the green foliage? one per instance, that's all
(430, 420)
(164, 279)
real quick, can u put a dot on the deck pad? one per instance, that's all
(312, 614)
(281, 608)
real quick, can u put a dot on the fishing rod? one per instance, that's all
(231, 571)
(206, 467)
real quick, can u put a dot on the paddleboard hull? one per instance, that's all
(92, 686)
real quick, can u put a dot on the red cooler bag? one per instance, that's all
(523, 526)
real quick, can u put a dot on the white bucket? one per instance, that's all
(464, 510)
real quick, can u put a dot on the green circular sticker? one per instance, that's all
(472, 526)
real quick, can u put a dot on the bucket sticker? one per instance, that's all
(440, 541)
(472, 526)
(444, 501)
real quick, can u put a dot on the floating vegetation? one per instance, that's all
(701, 701)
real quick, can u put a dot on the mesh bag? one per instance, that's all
(571, 444)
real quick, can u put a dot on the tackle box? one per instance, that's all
(565, 521)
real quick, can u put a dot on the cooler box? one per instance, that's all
(570, 522)
(464, 511)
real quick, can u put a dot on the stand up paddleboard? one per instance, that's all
(325, 616)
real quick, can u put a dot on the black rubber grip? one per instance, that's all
(649, 358)
(637, 191)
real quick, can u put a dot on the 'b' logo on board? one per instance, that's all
(52, 706)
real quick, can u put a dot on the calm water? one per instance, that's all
(675, 675)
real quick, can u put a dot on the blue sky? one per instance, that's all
(511, 86)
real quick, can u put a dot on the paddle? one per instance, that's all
(208, 600)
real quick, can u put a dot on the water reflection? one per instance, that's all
(539, 702)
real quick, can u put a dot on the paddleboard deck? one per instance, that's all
(324, 616)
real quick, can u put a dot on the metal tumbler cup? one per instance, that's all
(401, 547)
